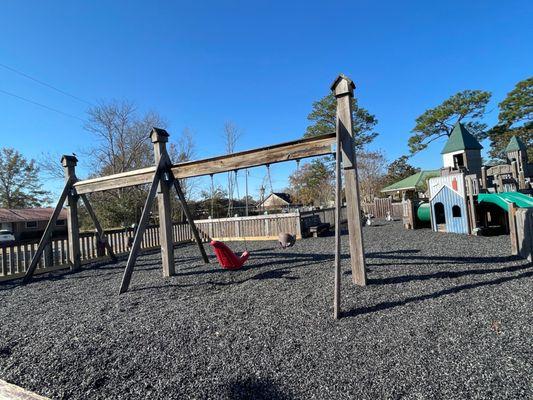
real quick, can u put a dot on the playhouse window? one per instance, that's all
(458, 160)
(456, 212)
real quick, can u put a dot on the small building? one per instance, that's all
(413, 186)
(276, 200)
(462, 151)
(30, 223)
(448, 205)
(516, 150)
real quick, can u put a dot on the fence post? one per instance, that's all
(298, 224)
(343, 89)
(73, 228)
(48, 255)
(159, 139)
(471, 204)
(512, 228)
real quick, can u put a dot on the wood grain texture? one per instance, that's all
(128, 271)
(344, 92)
(163, 203)
(338, 243)
(317, 146)
(9, 391)
(48, 231)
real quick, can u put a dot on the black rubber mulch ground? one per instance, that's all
(444, 316)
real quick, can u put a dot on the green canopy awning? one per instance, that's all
(413, 182)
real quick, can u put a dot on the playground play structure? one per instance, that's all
(165, 175)
(467, 197)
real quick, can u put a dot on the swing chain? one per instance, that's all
(212, 196)
(238, 197)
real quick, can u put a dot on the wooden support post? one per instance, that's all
(471, 204)
(484, 183)
(343, 89)
(100, 232)
(514, 172)
(190, 220)
(338, 243)
(159, 138)
(141, 228)
(48, 254)
(48, 231)
(412, 214)
(512, 228)
(521, 180)
(499, 189)
(73, 229)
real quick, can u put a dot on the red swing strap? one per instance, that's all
(227, 258)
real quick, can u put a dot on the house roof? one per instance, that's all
(28, 214)
(515, 144)
(413, 182)
(283, 196)
(461, 139)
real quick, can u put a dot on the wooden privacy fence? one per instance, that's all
(380, 207)
(260, 227)
(327, 215)
(15, 258)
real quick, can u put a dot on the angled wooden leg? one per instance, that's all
(45, 239)
(190, 220)
(101, 235)
(128, 271)
(338, 243)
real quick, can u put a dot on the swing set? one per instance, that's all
(165, 175)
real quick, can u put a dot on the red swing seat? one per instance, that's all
(226, 257)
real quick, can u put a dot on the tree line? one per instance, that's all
(120, 144)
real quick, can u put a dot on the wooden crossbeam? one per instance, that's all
(137, 240)
(48, 230)
(295, 150)
(190, 220)
(101, 235)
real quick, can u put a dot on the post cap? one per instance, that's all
(342, 85)
(159, 135)
(69, 161)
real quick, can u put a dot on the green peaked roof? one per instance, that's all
(515, 144)
(461, 139)
(413, 182)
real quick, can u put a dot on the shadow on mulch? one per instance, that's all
(456, 289)
(256, 389)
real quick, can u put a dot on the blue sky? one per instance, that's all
(259, 64)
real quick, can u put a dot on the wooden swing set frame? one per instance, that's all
(164, 175)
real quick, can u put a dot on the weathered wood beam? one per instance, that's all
(159, 139)
(48, 231)
(338, 242)
(295, 150)
(73, 226)
(343, 90)
(137, 240)
(14, 392)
